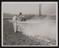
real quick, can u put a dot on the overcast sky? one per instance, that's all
(28, 7)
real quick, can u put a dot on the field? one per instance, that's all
(12, 38)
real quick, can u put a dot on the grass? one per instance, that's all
(12, 38)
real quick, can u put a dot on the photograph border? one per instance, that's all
(29, 45)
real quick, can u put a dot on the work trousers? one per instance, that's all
(17, 26)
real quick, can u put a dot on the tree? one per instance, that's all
(39, 9)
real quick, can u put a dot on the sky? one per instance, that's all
(28, 7)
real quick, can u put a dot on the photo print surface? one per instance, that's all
(29, 24)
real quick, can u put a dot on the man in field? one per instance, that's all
(17, 22)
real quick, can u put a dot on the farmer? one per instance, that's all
(17, 22)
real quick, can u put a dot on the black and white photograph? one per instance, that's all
(29, 24)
